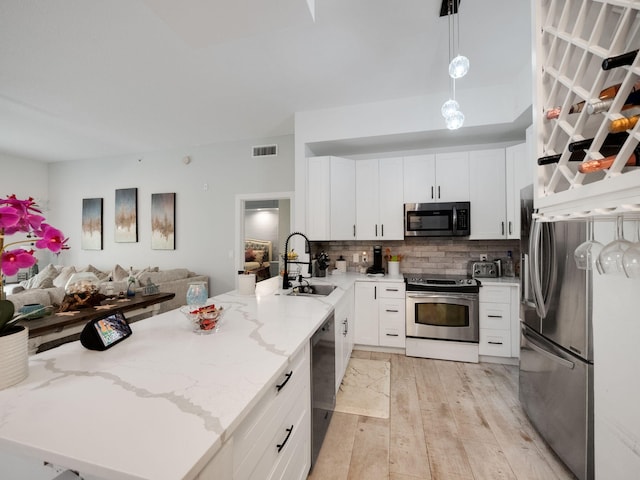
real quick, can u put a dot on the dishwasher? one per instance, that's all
(323, 393)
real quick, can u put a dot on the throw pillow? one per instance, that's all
(118, 274)
(259, 255)
(249, 255)
(98, 273)
(48, 272)
(64, 276)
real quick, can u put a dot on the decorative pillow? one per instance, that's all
(48, 272)
(249, 255)
(259, 255)
(118, 274)
(64, 276)
(98, 273)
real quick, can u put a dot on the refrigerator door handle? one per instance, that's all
(543, 351)
(534, 267)
(548, 261)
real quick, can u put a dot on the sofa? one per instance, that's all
(48, 286)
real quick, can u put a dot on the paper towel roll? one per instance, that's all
(247, 284)
(341, 266)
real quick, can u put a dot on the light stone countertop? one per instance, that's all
(511, 281)
(160, 404)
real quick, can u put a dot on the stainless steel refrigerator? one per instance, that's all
(556, 348)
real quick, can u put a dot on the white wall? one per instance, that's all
(205, 219)
(26, 178)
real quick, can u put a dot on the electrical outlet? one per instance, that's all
(356, 258)
(483, 257)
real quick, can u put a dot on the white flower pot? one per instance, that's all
(394, 268)
(14, 357)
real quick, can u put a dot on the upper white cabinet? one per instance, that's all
(487, 194)
(379, 199)
(517, 169)
(443, 177)
(331, 198)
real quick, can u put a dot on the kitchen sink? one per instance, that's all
(312, 290)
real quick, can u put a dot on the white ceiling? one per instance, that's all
(83, 79)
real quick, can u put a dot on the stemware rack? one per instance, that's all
(572, 38)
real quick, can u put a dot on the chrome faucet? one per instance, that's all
(285, 275)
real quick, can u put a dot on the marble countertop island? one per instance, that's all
(160, 404)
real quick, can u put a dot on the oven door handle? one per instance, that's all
(458, 296)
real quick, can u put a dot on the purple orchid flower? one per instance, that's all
(13, 260)
(52, 238)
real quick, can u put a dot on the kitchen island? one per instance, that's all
(161, 404)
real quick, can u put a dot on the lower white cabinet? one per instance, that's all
(380, 314)
(344, 326)
(499, 321)
(274, 440)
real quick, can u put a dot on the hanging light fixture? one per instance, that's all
(459, 66)
(450, 110)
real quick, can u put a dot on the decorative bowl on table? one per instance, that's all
(204, 319)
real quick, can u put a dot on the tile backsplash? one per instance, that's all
(443, 255)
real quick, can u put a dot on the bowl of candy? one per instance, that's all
(204, 319)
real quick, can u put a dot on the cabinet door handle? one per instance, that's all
(391, 289)
(376, 229)
(494, 316)
(431, 192)
(375, 292)
(438, 191)
(281, 386)
(494, 343)
(354, 230)
(510, 229)
(391, 311)
(345, 322)
(382, 228)
(502, 226)
(281, 445)
(392, 334)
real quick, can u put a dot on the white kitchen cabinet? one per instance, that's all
(487, 194)
(499, 320)
(331, 199)
(517, 168)
(366, 313)
(277, 430)
(379, 199)
(344, 323)
(380, 314)
(443, 177)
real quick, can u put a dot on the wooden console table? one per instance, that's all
(58, 328)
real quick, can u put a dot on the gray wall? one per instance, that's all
(205, 218)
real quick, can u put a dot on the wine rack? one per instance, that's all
(572, 38)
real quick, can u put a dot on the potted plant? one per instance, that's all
(393, 263)
(19, 216)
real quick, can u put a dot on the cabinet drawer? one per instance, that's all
(391, 309)
(253, 435)
(495, 342)
(392, 336)
(495, 316)
(281, 444)
(495, 294)
(391, 290)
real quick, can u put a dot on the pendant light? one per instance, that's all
(450, 110)
(459, 66)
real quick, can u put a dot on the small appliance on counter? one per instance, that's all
(320, 264)
(486, 269)
(376, 268)
(341, 265)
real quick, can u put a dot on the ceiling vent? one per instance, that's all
(265, 151)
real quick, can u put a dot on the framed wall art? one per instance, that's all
(126, 213)
(163, 221)
(91, 237)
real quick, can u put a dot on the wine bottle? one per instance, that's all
(578, 155)
(609, 92)
(619, 60)
(610, 140)
(591, 166)
(623, 124)
(603, 105)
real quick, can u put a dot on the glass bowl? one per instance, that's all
(204, 320)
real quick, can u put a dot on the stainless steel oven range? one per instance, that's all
(442, 307)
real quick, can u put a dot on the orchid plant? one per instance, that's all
(24, 216)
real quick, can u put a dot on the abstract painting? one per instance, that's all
(163, 221)
(126, 215)
(91, 238)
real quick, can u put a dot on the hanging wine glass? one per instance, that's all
(587, 252)
(610, 258)
(631, 258)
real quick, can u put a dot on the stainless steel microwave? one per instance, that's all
(444, 219)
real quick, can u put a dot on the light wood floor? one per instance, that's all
(448, 421)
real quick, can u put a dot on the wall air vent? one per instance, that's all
(265, 151)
